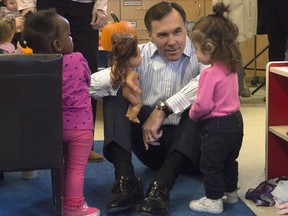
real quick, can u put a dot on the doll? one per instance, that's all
(124, 58)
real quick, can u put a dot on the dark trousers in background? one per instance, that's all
(85, 39)
(79, 15)
(221, 141)
(276, 20)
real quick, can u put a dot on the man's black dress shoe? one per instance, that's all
(125, 193)
(155, 202)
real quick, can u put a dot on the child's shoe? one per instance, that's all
(207, 205)
(84, 210)
(231, 198)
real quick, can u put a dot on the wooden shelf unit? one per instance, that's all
(277, 119)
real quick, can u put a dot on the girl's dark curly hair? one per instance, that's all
(222, 33)
(40, 30)
(124, 46)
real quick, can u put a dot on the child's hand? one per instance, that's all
(19, 24)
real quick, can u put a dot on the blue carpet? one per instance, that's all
(34, 197)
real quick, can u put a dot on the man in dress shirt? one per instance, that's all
(166, 139)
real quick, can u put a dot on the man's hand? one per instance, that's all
(98, 19)
(151, 132)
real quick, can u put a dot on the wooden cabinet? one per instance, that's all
(208, 7)
(194, 9)
(134, 12)
(113, 6)
(276, 119)
(251, 48)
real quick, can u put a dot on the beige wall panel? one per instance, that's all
(113, 5)
(194, 8)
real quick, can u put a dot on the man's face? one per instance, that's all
(169, 35)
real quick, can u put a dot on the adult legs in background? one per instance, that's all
(286, 54)
(276, 21)
(86, 40)
(79, 16)
(244, 91)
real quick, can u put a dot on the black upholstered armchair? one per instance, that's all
(31, 116)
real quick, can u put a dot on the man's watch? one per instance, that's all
(162, 105)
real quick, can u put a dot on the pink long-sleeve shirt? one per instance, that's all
(217, 93)
(76, 99)
(9, 48)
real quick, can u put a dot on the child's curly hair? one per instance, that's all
(40, 30)
(8, 28)
(124, 46)
(222, 33)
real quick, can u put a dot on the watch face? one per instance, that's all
(160, 105)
